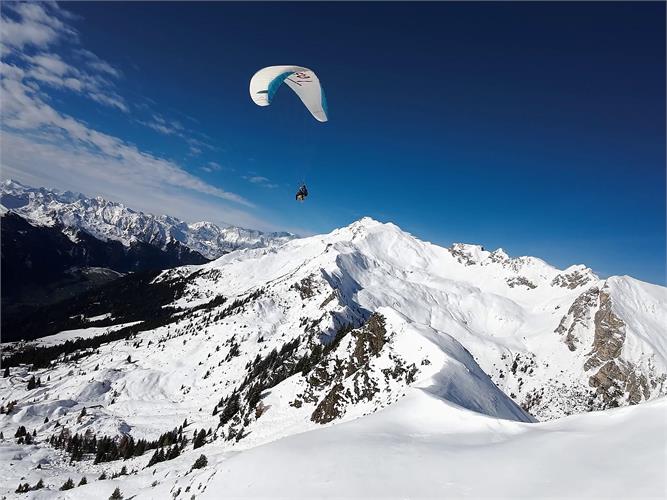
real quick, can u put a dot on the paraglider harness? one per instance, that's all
(301, 193)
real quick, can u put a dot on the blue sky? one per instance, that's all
(536, 127)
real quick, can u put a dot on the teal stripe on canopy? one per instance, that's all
(324, 104)
(276, 83)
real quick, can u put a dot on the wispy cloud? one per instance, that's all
(24, 111)
(42, 145)
(33, 25)
(175, 128)
(212, 166)
(51, 69)
(31, 32)
(160, 124)
(260, 180)
(146, 183)
(99, 64)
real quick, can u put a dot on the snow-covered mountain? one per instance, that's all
(110, 220)
(451, 354)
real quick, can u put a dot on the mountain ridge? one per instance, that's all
(283, 341)
(112, 220)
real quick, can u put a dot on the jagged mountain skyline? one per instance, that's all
(107, 219)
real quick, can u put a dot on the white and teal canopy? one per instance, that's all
(304, 82)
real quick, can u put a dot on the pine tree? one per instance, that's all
(231, 408)
(32, 383)
(39, 485)
(140, 448)
(83, 481)
(126, 447)
(199, 439)
(67, 485)
(156, 458)
(116, 495)
(173, 452)
(200, 463)
(6, 372)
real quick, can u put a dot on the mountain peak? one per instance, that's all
(367, 221)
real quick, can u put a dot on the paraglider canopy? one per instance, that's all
(304, 82)
(302, 193)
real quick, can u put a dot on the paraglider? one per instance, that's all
(304, 82)
(302, 193)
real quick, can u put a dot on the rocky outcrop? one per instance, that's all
(609, 334)
(368, 342)
(520, 281)
(578, 315)
(572, 280)
(306, 287)
(331, 407)
(616, 381)
(458, 251)
(351, 372)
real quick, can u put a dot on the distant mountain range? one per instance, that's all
(108, 220)
(56, 245)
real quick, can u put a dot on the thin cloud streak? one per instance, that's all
(43, 164)
(45, 147)
(260, 180)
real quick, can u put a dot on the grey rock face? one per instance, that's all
(520, 281)
(579, 314)
(609, 334)
(457, 251)
(572, 280)
(346, 376)
(616, 379)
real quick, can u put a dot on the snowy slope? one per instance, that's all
(423, 447)
(272, 347)
(558, 341)
(109, 220)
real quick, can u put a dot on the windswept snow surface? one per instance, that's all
(425, 447)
